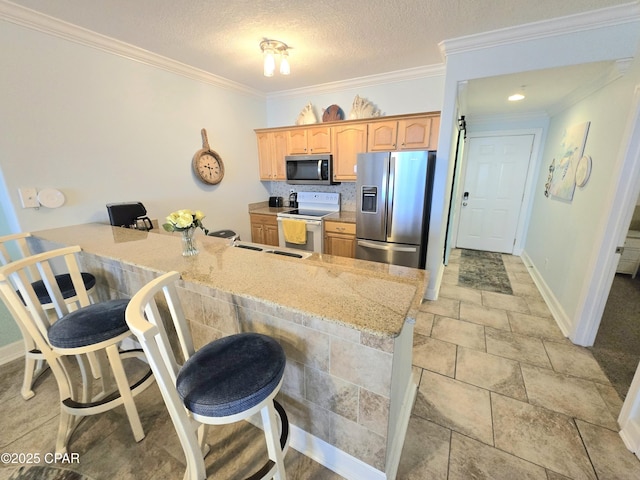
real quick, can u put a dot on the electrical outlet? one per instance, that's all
(29, 197)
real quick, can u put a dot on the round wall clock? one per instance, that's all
(207, 164)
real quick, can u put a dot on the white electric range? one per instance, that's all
(312, 208)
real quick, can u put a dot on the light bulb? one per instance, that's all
(269, 63)
(285, 69)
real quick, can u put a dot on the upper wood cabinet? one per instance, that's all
(418, 133)
(348, 140)
(345, 140)
(309, 141)
(272, 148)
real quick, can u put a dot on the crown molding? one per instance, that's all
(362, 82)
(605, 17)
(37, 21)
(617, 70)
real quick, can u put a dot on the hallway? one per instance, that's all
(503, 394)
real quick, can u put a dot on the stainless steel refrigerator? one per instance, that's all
(393, 205)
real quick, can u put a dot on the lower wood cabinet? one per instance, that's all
(340, 239)
(264, 229)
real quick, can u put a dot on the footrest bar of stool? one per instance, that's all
(114, 399)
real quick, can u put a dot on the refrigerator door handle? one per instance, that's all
(392, 248)
(392, 180)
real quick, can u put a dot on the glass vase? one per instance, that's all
(189, 247)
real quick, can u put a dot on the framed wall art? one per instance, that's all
(563, 183)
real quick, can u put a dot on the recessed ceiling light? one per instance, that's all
(516, 97)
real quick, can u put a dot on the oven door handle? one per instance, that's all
(305, 220)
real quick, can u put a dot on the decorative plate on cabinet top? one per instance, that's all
(332, 114)
(583, 171)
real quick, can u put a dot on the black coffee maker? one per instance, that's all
(293, 200)
(129, 215)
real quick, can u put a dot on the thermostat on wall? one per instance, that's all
(51, 198)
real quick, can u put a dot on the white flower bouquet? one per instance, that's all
(182, 220)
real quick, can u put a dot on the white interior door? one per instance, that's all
(496, 173)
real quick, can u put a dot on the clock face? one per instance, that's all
(208, 167)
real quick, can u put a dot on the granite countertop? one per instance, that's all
(372, 297)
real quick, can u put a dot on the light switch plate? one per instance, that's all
(29, 197)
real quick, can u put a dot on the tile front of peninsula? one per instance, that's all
(346, 327)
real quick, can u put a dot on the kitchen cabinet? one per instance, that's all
(344, 140)
(630, 258)
(348, 141)
(272, 148)
(417, 133)
(340, 238)
(264, 229)
(309, 141)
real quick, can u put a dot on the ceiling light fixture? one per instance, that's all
(516, 97)
(271, 48)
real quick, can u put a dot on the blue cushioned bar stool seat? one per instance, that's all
(226, 381)
(16, 246)
(90, 325)
(81, 331)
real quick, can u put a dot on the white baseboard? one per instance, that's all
(11, 352)
(333, 458)
(558, 313)
(630, 435)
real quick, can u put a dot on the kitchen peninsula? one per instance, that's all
(346, 326)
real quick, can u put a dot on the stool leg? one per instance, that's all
(29, 369)
(270, 424)
(125, 391)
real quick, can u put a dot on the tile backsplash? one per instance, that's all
(347, 191)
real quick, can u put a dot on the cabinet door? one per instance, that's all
(264, 154)
(257, 233)
(348, 141)
(279, 149)
(319, 140)
(340, 245)
(271, 235)
(297, 142)
(382, 136)
(416, 134)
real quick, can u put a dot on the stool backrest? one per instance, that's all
(145, 320)
(21, 299)
(14, 247)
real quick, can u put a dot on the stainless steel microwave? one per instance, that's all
(309, 169)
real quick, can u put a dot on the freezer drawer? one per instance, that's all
(392, 253)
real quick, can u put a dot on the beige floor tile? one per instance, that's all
(516, 347)
(424, 323)
(464, 294)
(537, 306)
(574, 360)
(434, 355)
(458, 332)
(540, 436)
(611, 398)
(555, 476)
(455, 405)
(504, 302)
(447, 307)
(491, 317)
(572, 396)
(450, 276)
(471, 459)
(491, 372)
(609, 456)
(534, 326)
(416, 463)
(527, 290)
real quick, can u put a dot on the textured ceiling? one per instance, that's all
(331, 40)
